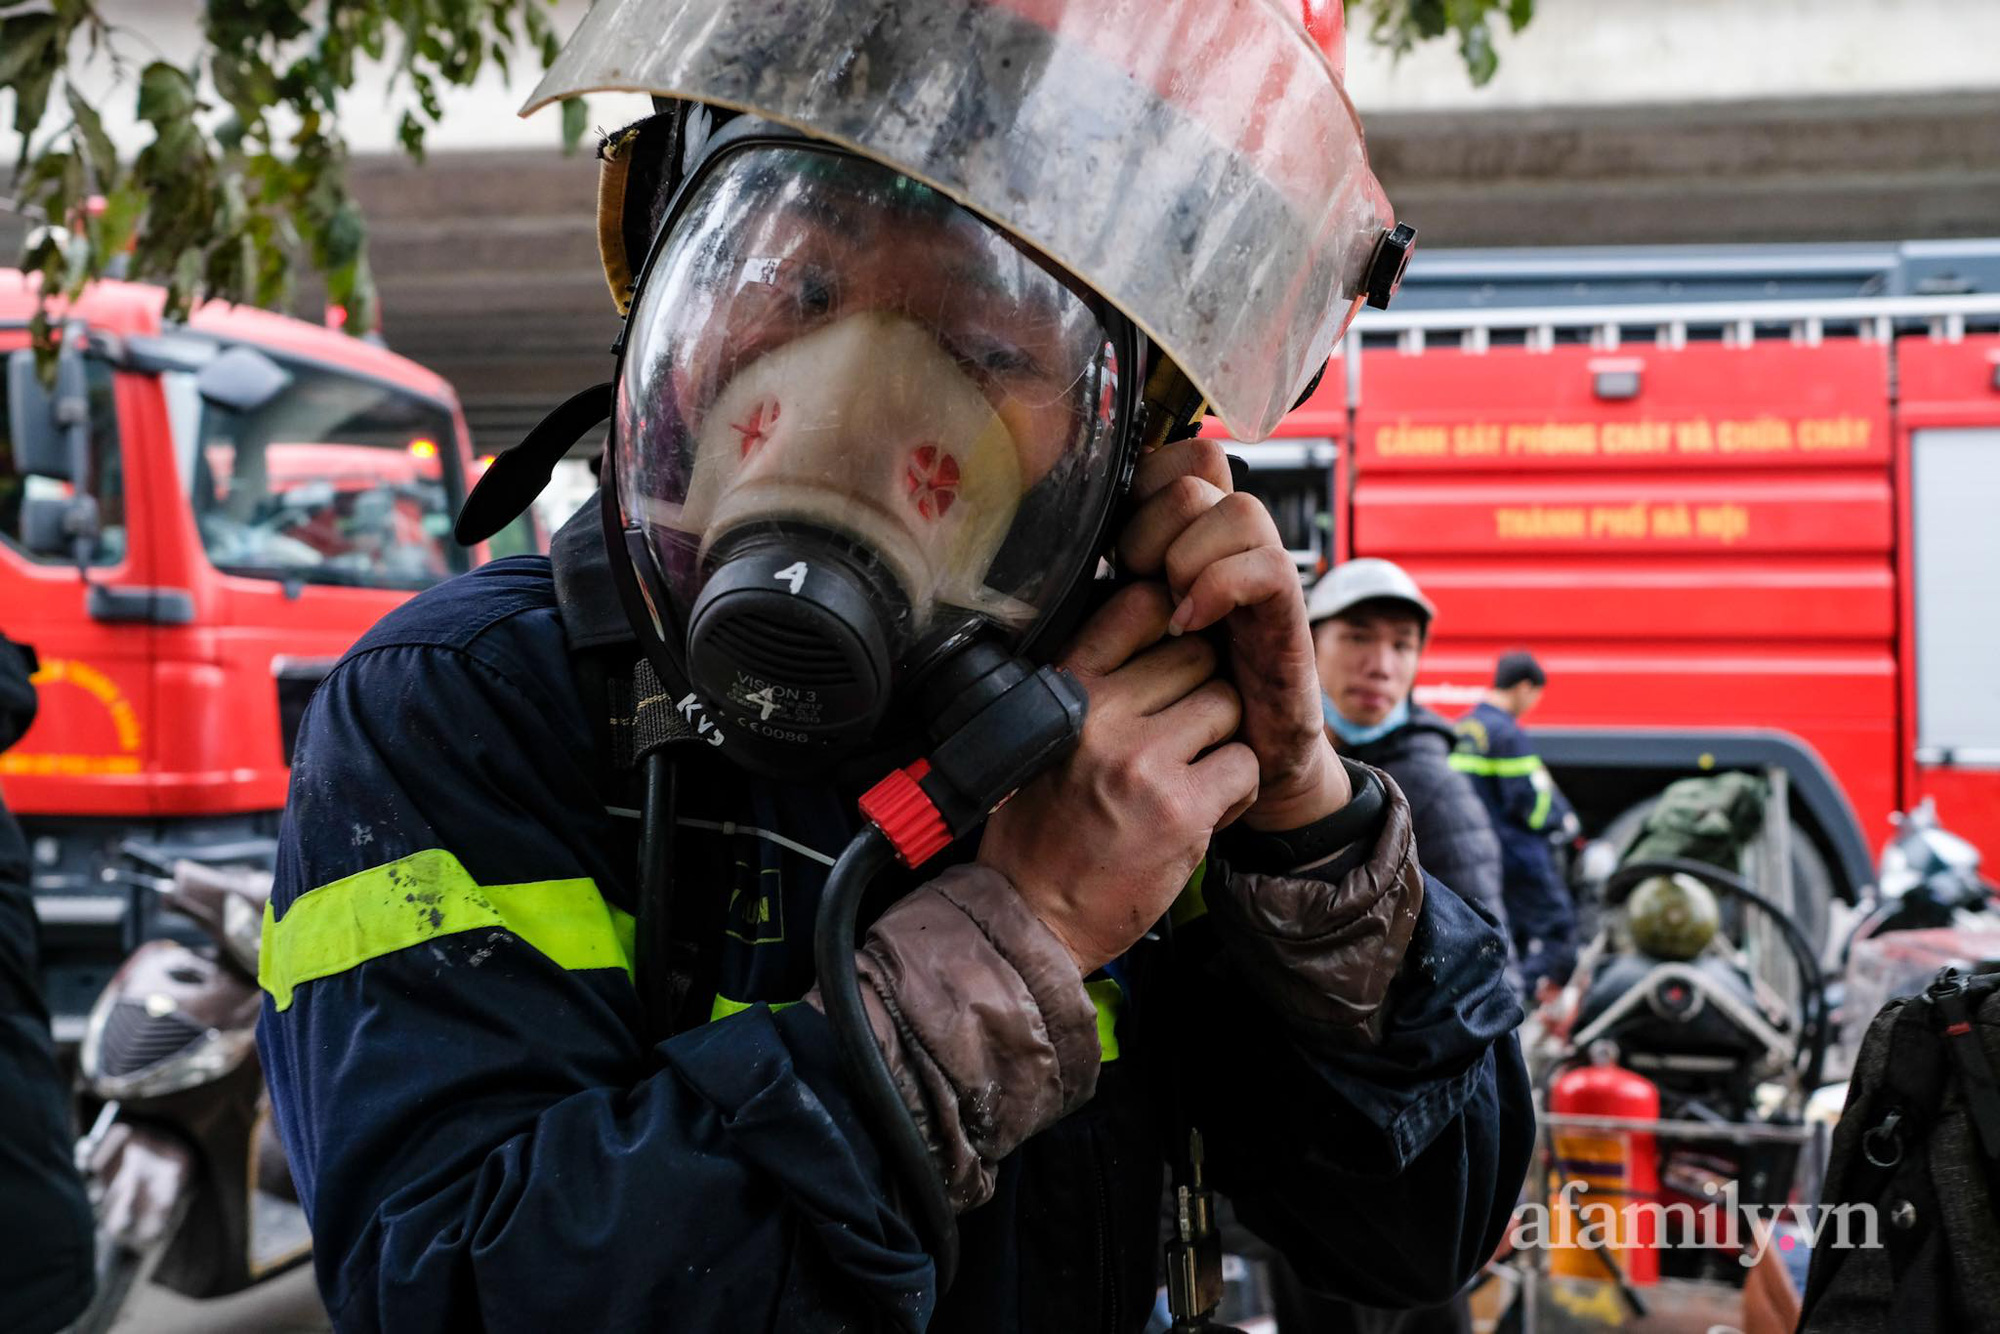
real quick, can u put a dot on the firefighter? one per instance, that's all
(542, 1029)
(46, 1271)
(1493, 749)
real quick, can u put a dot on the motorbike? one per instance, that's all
(1930, 908)
(184, 1167)
(1928, 877)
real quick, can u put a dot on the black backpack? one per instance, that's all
(1919, 1143)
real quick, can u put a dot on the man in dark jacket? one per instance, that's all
(1495, 753)
(45, 1224)
(1370, 624)
(543, 1031)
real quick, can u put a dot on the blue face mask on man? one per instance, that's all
(1357, 734)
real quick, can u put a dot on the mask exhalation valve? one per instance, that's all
(787, 642)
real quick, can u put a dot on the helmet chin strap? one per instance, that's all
(518, 476)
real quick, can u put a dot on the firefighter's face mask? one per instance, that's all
(854, 423)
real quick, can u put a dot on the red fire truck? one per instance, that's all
(1743, 505)
(194, 523)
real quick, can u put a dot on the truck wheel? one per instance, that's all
(1812, 882)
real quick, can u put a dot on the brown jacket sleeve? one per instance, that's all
(1321, 947)
(983, 1018)
(991, 1037)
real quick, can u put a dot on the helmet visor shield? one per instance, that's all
(821, 343)
(1198, 164)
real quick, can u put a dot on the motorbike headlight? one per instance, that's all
(132, 1049)
(209, 1058)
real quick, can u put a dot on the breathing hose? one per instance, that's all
(997, 724)
(840, 992)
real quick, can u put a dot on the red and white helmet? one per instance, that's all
(1197, 163)
(1326, 24)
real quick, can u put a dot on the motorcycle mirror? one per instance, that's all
(242, 931)
(1596, 861)
(1950, 851)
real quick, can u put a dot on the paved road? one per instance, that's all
(288, 1304)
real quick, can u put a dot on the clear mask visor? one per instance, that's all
(823, 344)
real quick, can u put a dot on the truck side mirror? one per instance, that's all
(42, 530)
(52, 439)
(242, 379)
(39, 447)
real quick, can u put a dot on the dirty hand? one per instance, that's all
(1221, 556)
(1100, 845)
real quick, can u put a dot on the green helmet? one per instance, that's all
(1672, 916)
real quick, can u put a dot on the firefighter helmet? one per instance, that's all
(1198, 166)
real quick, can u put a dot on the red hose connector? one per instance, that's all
(906, 815)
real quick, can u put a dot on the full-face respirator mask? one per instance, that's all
(856, 430)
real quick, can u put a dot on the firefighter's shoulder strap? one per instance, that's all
(633, 713)
(640, 738)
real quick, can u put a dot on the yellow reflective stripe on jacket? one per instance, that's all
(1544, 798)
(1487, 766)
(1190, 903)
(1109, 998)
(724, 1007)
(427, 895)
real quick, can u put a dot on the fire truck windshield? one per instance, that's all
(335, 479)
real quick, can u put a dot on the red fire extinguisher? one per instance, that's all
(1603, 1177)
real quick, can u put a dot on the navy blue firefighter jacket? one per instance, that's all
(484, 1140)
(1494, 751)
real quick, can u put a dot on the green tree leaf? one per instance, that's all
(1475, 47)
(575, 120)
(343, 236)
(113, 229)
(245, 82)
(26, 41)
(165, 93)
(1403, 25)
(410, 133)
(31, 99)
(96, 143)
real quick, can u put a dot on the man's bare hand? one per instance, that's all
(1223, 560)
(1100, 845)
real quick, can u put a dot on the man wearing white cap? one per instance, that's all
(1370, 624)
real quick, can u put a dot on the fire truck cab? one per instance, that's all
(1741, 503)
(195, 521)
